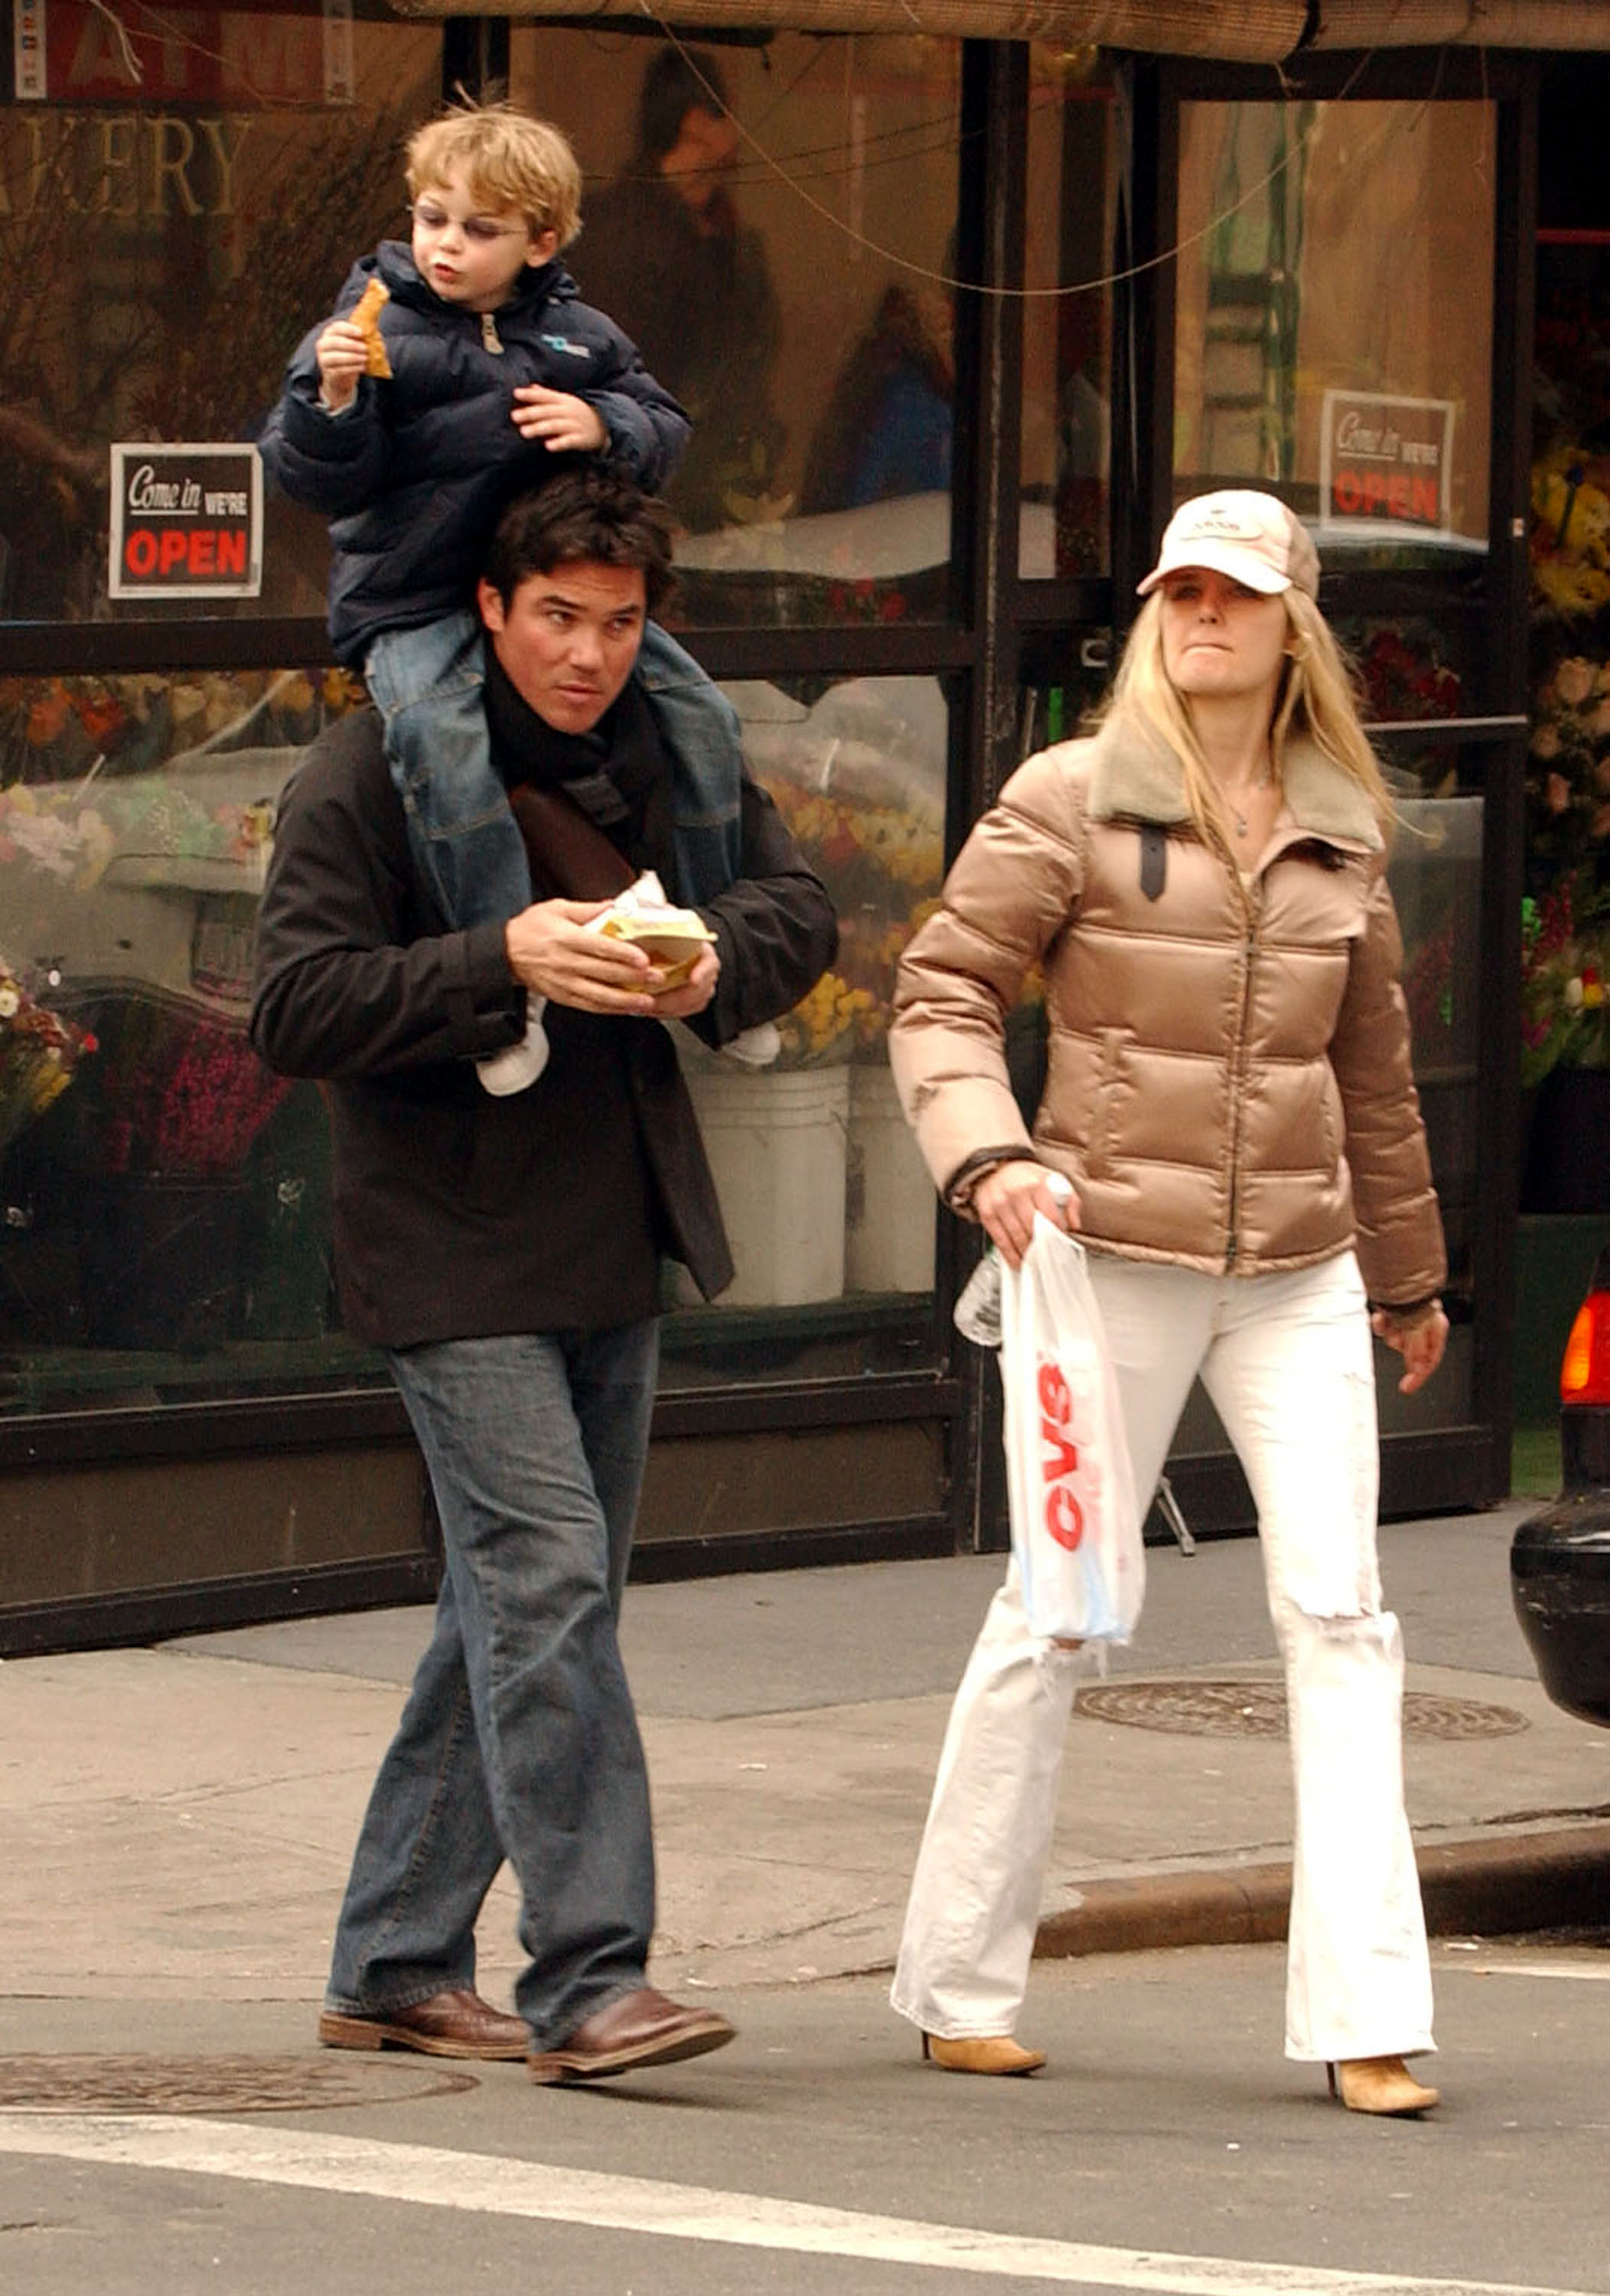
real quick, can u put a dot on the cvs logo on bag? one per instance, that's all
(1058, 1455)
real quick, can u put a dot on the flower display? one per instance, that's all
(1428, 993)
(126, 774)
(39, 1051)
(63, 729)
(827, 1024)
(1565, 967)
(1402, 675)
(186, 1097)
(1565, 929)
(1570, 536)
(867, 849)
(1568, 773)
(882, 864)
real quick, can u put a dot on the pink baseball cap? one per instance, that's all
(1242, 532)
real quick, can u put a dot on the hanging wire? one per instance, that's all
(771, 166)
(793, 184)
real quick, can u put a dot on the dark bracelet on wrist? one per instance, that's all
(1410, 1311)
(958, 1188)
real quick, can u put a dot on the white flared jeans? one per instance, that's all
(1286, 1361)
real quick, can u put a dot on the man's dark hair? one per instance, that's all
(675, 82)
(588, 515)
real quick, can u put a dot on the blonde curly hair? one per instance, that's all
(509, 159)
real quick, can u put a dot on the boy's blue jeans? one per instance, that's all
(427, 685)
(519, 1739)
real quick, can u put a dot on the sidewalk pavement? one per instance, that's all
(177, 1818)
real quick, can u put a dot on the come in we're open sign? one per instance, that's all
(1385, 462)
(187, 522)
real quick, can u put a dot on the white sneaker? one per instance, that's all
(518, 1066)
(756, 1047)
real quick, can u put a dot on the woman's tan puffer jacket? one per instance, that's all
(1229, 1083)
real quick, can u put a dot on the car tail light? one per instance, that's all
(1585, 1369)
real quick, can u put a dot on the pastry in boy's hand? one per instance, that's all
(365, 317)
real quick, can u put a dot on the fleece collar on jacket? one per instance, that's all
(1136, 774)
(537, 283)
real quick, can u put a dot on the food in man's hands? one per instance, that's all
(673, 940)
(365, 317)
(672, 937)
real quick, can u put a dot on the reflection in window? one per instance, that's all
(1411, 668)
(773, 225)
(164, 247)
(825, 1196)
(1414, 671)
(165, 1198)
(1335, 315)
(1435, 875)
(1067, 338)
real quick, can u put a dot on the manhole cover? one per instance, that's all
(98, 2084)
(1257, 1709)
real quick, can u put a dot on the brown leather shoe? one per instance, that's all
(641, 2028)
(448, 2025)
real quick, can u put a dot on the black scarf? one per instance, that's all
(613, 772)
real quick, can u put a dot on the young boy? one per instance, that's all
(493, 366)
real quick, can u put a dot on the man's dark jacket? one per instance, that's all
(458, 1214)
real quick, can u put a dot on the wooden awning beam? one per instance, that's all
(1255, 31)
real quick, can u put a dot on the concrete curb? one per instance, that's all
(1487, 1884)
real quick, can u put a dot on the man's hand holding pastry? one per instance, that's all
(555, 947)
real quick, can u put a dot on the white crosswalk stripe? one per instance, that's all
(483, 2183)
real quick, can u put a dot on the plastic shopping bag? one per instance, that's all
(1070, 1492)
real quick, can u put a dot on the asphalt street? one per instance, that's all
(1168, 2147)
(178, 1820)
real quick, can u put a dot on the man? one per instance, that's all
(665, 253)
(505, 1252)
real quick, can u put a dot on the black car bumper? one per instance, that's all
(1559, 1575)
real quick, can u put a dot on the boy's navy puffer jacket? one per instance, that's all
(414, 475)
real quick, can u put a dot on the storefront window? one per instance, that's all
(1566, 913)
(1335, 317)
(1416, 677)
(165, 1198)
(828, 1206)
(774, 225)
(166, 239)
(1067, 314)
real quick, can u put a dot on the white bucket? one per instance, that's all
(889, 1224)
(776, 1144)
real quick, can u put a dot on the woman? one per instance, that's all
(1229, 1091)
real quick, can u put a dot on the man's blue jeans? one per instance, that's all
(519, 1739)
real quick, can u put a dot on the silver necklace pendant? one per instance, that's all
(1240, 822)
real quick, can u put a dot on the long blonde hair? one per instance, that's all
(1316, 697)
